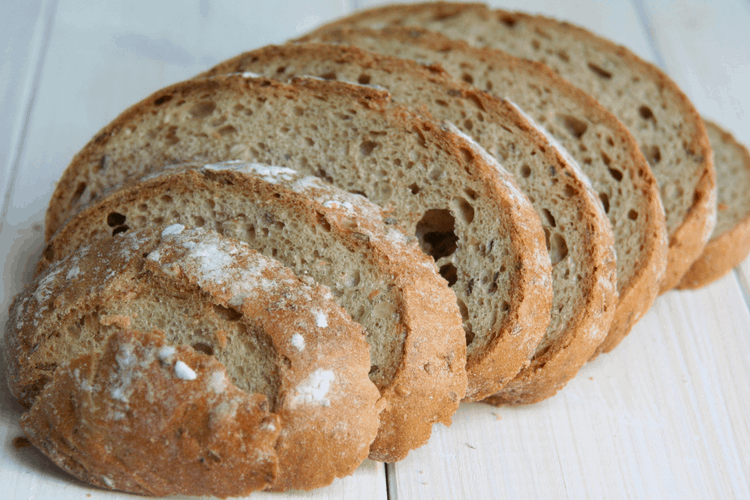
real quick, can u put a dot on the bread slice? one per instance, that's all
(604, 149)
(730, 240)
(242, 376)
(338, 239)
(578, 233)
(668, 128)
(433, 181)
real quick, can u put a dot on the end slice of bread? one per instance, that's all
(147, 409)
(669, 130)
(730, 241)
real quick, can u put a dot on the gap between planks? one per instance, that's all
(40, 44)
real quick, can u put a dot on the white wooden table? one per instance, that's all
(664, 416)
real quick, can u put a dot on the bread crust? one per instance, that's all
(595, 257)
(334, 426)
(529, 273)
(414, 398)
(728, 249)
(637, 287)
(689, 234)
(72, 423)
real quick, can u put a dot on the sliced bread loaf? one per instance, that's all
(341, 240)
(437, 184)
(604, 149)
(669, 130)
(730, 241)
(578, 233)
(240, 378)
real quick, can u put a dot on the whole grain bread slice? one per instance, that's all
(437, 184)
(730, 241)
(605, 150)
(241, 385)
(667, 127)
(578, 233)
(336, 238)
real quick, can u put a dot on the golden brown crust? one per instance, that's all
(529, 274)
(175, 437)
(415, 398)
(637, 289)
(325, 403)
(728, 249)
(688, 237)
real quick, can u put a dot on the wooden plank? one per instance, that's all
(22, 36)
(103, 57)
(661, 417)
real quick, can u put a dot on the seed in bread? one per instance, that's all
(194, 288)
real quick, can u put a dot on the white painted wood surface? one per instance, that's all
(664, 416)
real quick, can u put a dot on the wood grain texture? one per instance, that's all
(22, 35)
(663, 416)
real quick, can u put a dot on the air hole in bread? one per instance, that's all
(78, 193)
(525, 171)
(465, 210)
(440, 102)
(653, 154)
(199, 221)
(468, 124)
(558, 248)
(204, 348)
(549, 218)
(616, 174)
(535, 44)
(120, 229)
(202, 109)
(309, 142)
(563, 55)
(323, 223)
(493, 284)
(49, 253)
(605, 201)
(298, 111)
(645, 112)
(632, 215)
(331, 75)
(166, 198)
(115, 219)
(471, 194)
(599, 71)
(363, 79)
(367, 147)
(436, 233)
(161, 100)
(374, 369)
(574, 126)
(450, 274)
(467, 78)
(606, 159)
(226, 130)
